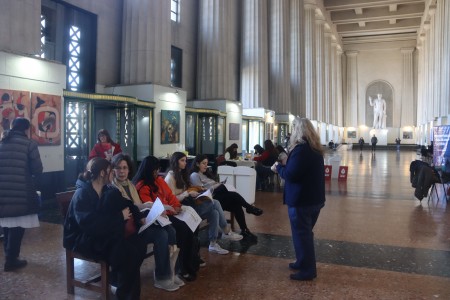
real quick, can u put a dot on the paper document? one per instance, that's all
(207, 193)
(163, 221)
(156, 210)
(189, 216)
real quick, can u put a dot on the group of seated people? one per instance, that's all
(108, 208)
(264, 158)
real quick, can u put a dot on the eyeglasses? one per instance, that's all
(121, 168)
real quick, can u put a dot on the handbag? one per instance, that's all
(130, 227)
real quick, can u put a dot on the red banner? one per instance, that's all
(328, 172)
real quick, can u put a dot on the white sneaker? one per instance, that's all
(214, 247)
(167, 285)
(232, 236)
(113, 289)
(178, 281)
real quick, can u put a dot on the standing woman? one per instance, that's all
(20, 162)
(178, 180)
(304, 194)
(105, 147)
(230, 201)
(95, 227)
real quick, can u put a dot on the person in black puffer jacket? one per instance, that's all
(20, 163)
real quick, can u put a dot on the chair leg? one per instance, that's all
(70, 272)
(105, 281)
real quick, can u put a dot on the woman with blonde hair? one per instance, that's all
(304, 193)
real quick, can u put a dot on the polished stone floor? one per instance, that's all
(374, 240)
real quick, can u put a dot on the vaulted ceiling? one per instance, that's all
(358, 20)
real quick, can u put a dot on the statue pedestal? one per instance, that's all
(381, 135)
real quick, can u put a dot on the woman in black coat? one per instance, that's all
(304, 194)
(20, 163)
(96, 223)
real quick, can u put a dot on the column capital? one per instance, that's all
(406, 50)
(310, 4)
(352, 53)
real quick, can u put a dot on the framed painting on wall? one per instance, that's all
(46, 119)
(351, 134)
(13, 104)
(234, 131)
(170, 126)
(407, 135)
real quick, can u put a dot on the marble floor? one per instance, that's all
(374, 240)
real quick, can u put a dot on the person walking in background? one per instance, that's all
(397, 142)
(374, 141)
(20, 163)
(361, 144)
(105, 147)
(304, 193)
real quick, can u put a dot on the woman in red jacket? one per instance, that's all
(150, 186)
(105, 147)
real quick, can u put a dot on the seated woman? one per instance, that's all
(178, 181)
(163, 238)
(231, 152)
(95, 227)
(150, 186)
(230, 201)
(265, 161)
(105, 147)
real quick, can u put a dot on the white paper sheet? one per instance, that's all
(190, 217)
(156, 210)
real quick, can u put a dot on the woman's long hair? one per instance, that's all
(232, 149)
(93, 169)
(105, 133)
(303, 130)
(145, 172)
(115, 161)
(195, 168)
(181, 176)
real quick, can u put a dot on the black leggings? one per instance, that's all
(187, 242)
(233, 202)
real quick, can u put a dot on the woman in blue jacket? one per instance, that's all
(304, 193)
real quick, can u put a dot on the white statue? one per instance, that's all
(379, 111)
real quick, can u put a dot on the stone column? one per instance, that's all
(339, 89)
(320, 68)
(351, 103)
(297, 55)
(20, 34)
(310, 58)
(146, 42)
(217, 65)
(444, 6)
(279, 73)
(327, 75)
(333, 89)
(407, 103)
(254, 55)
(421, 111)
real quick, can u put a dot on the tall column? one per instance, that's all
(444, 6)
(279, 73)
(333, 89)
(339, 89)
(254, 55)
(428, 72)
(351, 107)
(320, 68)
(421, 108)
(146, 42)
(298, 98)
(217, 71)
(407, 102)
(327, 76)
(310, 58)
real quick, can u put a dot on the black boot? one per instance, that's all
(254, 210)
(14, 264)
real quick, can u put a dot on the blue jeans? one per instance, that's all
(213, 212)
(302, 221)
(161, 237)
